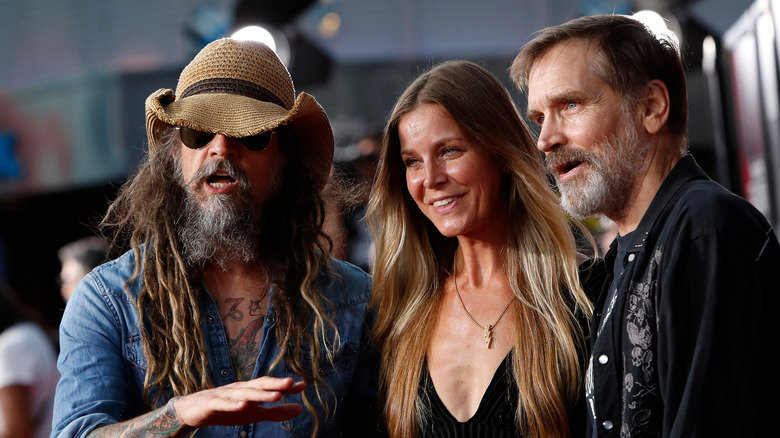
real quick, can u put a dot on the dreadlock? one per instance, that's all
(292, 247)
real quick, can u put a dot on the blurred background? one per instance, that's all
(74, 75)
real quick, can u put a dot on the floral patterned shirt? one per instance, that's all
(680, 337)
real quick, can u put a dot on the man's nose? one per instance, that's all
(551, 136)
(223, 146)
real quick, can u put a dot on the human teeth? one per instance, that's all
(443, 202)
(220, 181)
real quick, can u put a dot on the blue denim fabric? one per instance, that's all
(102, 364)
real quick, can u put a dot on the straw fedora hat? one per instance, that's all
(241, 88)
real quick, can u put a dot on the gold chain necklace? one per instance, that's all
(488, 328)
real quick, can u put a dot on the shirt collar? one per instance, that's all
(684, 171)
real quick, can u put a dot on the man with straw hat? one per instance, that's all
(228, 316)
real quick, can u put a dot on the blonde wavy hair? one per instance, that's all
(293, 250)
(412, 260)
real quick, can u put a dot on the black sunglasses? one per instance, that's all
(195, 139)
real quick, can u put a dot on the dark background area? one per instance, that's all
(74, 76)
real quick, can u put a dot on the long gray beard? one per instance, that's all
(220, 229)
(623, 156)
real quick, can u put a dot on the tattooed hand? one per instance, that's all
(239, 403)
(230, 405)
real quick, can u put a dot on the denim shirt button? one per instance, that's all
(603, 359)
(271, 319)
(224, 372)
(631, 257)
(607, 425)
(242, 434)
(211, 319)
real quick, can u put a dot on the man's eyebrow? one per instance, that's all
(563, 96)
(569, 96)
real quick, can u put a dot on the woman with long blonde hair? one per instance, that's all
(476, 279)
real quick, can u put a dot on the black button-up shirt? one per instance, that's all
(680, 337)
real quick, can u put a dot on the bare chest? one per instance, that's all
(459, 361)
(243, 318)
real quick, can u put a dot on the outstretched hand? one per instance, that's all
(239, 403)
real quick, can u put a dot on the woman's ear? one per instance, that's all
(655, 106)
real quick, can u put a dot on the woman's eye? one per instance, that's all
(451, 151)
(409, 162)
(571, 105)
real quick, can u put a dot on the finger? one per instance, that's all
(280, 412)
(296, 388)
(226, 397)
(272, 383)
(250, 394)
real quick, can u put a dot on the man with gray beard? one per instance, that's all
(227, 316)
(224, 229)
(681, 326)
(617, 158)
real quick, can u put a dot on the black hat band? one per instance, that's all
(232, 86)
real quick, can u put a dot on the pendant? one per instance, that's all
(488, 336)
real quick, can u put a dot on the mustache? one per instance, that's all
(225, 166)
(561, 157)
(565, 155)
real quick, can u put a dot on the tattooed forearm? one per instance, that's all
(159, 423)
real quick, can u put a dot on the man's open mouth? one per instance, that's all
(220, 180)
(568, 166)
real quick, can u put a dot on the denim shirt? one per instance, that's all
(102, 365)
